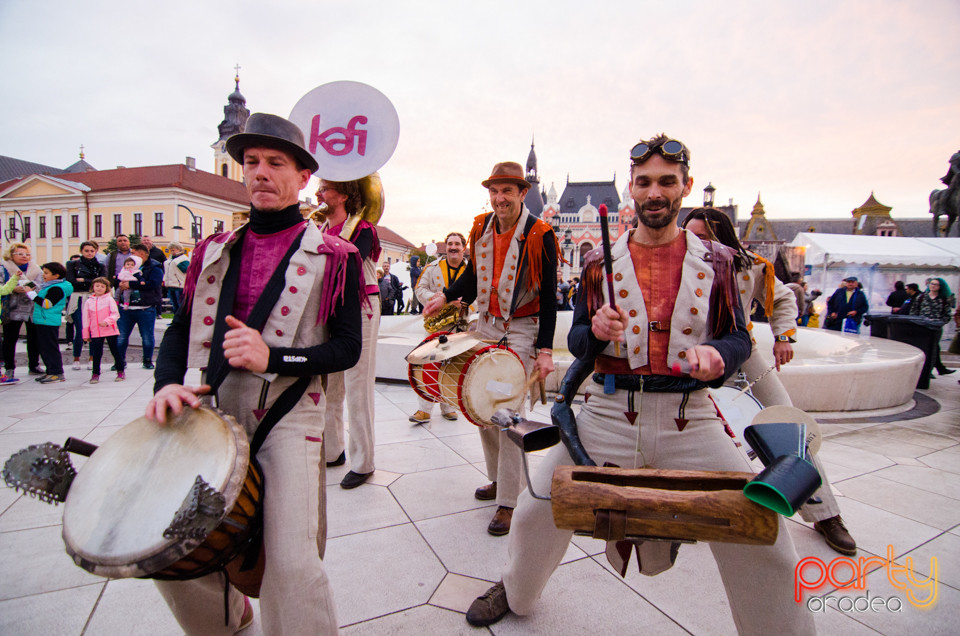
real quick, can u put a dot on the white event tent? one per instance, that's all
(878, 261)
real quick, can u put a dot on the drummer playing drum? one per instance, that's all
(512, 275)
(310, 326)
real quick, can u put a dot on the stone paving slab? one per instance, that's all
(408, 551)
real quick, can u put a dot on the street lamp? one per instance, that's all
(708, 195)
(194, 229)
(12, 232)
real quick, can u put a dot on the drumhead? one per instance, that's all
(739, 412)
(492, 379)
(129, 490)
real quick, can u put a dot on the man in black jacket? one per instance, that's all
(142, 311)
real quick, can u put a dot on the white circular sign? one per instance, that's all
(350, 128)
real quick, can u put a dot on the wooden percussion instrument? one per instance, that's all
(168, 502)
(618, 503)
(467, 373)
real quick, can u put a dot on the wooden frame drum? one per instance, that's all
(129, 491)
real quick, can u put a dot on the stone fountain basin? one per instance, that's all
(830, 372)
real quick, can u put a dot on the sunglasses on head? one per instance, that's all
(670, 149)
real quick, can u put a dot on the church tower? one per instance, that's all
(235, 116)
(534, 198)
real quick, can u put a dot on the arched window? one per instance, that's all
(223, 170)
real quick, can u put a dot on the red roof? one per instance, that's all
(386, 234)
(146, 177)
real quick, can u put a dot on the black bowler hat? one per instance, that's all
(271, 131)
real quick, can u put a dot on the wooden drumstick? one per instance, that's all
(607, 262)
(528, 386)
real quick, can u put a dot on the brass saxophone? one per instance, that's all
(449, 318)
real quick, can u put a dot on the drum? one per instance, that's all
(737, 414)
(464, 372)
(168, 502)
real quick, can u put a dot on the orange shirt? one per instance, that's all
(658, 269)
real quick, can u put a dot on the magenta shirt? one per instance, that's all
(261, 253)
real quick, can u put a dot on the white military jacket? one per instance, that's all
(688, 324)
(292, 321)
(431, 280)
(512, 269)
(783, 321)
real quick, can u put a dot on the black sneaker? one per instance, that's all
(50, 379)
(147, 364)
(37, 371)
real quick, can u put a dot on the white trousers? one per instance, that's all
(295, 597)
(504, 458)
(758, 579)
(771, 392)
(356, 385)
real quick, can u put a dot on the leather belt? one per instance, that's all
(652, 383)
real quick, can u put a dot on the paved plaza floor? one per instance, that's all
(408, 551)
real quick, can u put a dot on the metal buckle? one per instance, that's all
(655, 325)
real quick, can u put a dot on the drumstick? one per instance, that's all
(608, 261)
(750, 386)
(528, 386)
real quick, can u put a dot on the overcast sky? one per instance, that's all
(812, 104)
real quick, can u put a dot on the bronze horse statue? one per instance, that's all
(947, 201)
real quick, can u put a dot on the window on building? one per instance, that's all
(117, 224)
(223, 170)
(158, 223)
(26, 228)
(138, 223)
(199, 227)
(218, 227)
(98, 225)
(74, 225)
(42, 230)
(58, 226)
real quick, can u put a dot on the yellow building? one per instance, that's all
(54, 214)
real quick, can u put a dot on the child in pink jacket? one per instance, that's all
(100, 315)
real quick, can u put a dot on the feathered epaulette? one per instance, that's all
(769, 280)
(724, 295)
(533, 251)
(196, 264)
(335, 275)
(592, 279)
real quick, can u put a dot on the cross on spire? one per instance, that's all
(81, 151)
(237, 77)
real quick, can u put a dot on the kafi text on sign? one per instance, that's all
(339, 141)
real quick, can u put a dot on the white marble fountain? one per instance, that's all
(831, 372)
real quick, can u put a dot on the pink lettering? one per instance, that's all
(338, 141)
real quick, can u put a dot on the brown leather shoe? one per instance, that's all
(500, 524)
(836, 536)
(486, 493)
(489, 608)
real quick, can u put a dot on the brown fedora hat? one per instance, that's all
(509, 171)
(271, 131)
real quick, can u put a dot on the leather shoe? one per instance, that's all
(486, 493)
(352, 479)
(452, 416)
(489, 608)
(339, 461)
(836, 536)
(947, 371)
(500, 524)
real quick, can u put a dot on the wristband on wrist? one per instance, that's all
(549, 352)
